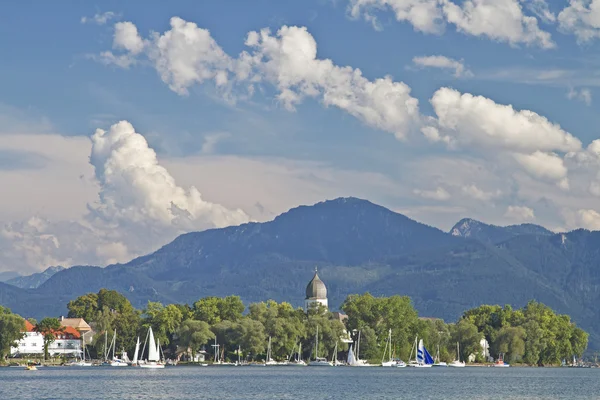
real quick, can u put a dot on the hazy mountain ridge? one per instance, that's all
(35, 280)
(358, 246)
(470, 228)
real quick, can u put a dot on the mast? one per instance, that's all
(334, 358)
(317, 344)
(239, 351)
(113, 345)
(105, 345)
(299, 356)
(458, 351)
(136, 352)
(358, 347)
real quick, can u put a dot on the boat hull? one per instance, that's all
(320, 364)
(152, 366)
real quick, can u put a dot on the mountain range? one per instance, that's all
(358, 246)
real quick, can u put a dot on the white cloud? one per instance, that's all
(544, 166)
(589, 219)
(99, 18)
(479, 121)
(478, 194)
(439, 194)
(582, 18)
(541, 9)
(424, 15)
(584, 95)
(135, 188)
(500, 20)
(443, 62)
(187, 55)
(519, 213)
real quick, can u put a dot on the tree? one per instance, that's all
(207, 310)
(510, 340)
(466, 334)
(194, 334)
(11, 331)
(49, 327)
(250, 336)
(85, 307)
(164, 320)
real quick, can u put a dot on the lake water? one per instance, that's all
(259, 383)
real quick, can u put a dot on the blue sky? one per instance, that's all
(72, 68)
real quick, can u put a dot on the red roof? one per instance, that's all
(67, 330)
(29, 327)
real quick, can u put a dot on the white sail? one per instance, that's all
(351, 359)
(152, 349)
(136, 352)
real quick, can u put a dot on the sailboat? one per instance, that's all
(334, 359)
(116, 362)
(82, 362)
(388, 350)
(269, 360)
(319, 361)
(298, 362)
(422, 357)
(457, 363)
(153, 361)
(136, 353)
(437, 362)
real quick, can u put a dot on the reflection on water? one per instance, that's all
(293, 382)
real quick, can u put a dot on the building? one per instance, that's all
(67, 343)
(316, 292)
(81, 326)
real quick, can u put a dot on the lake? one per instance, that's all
(299, 382)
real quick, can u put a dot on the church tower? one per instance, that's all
(316, 292)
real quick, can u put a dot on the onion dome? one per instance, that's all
(316, 288)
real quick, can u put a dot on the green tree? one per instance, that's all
(49, 327)
(194, 334)
(207, 310)
(511, 342)
(164, 320)
(11, 331)
(85, 307)
(466, 334)
(250, 336)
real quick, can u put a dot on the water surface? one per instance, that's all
(259, 383)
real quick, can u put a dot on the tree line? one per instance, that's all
(533, 335)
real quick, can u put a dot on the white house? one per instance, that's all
(67, 343)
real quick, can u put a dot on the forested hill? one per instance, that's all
(358, 246)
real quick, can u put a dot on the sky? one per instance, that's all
(125, 124)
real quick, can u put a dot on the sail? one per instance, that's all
(124, 357)
(137, 350)
(427, 356)
(152, 349)
(421, 353)
(351, 358)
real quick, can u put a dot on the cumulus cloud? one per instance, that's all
(589, 219)
(500, 20)
(439, 194)
(584, 95)
(99, 18)
(479, 121)
(544, 166)
(443, 62)
(135, 188)
(582, 18)
(519, 213)
(187, 54)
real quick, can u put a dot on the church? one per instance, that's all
(316, 292)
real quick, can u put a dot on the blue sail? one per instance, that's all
(428, 359)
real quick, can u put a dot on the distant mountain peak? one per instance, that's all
(35, 280)
(471, 228)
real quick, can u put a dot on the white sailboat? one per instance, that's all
(334, 359)
(153, 361)
(422, 357)
(115, 361)
(319, 361)
(390, 362)
(136, 353)
(437, 362)
(82, 362)
(269, 360)
(357, 362)
(457, 363)
(298, 362)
